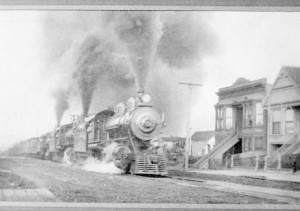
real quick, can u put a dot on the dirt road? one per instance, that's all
(72, 184)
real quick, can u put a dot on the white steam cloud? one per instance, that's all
(106, 165)
(95, 165)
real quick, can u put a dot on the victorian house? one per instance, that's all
(240, 127)
(257, 124)
(283, 106)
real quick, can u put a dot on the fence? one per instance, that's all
(255, 162)
(217, 163)
(290, 161)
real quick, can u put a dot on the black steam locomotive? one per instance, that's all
(131, 130)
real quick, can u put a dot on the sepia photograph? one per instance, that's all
(149, 109)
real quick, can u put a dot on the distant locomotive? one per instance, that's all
(129, 128)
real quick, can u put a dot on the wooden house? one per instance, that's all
(240, 127)
(283, 106)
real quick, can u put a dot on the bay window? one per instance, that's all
(220, 118)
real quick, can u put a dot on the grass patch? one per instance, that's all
(9, 180)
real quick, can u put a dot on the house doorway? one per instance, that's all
(235, 149)
(238, 147)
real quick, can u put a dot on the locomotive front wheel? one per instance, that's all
(127, 170)
(123, 165)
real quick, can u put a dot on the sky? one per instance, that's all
(253, 45)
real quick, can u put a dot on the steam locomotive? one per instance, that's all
(132, 129)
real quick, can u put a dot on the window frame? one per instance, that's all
(248, 114)
(279, 122)
(228, 117)
(256, 140)
(248, 144)
(261, 114)
(289, 122)
(220, 118)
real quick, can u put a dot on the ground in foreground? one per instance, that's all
(72, 184)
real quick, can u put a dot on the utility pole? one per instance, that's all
(187, 140)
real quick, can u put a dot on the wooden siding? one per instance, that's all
(282, 81)
(280, 139)
(242, 92)
(284, 95)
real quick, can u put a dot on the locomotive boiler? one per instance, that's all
(133, 127)
(128, 130)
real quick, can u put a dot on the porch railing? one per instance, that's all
(283, 149)
(229, 139)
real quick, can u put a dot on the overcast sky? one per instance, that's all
(253, 45)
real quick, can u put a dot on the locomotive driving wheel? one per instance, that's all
(122, 157)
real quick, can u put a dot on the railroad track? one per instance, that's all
(283, 196)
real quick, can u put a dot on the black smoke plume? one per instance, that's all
(185, 40)
(94, 64)
(139, 32)
(62, 103)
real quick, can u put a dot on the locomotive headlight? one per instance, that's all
(146, 98)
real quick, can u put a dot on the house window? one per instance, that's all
(248, 122)
(289, 121)
(276, 120)
(228, 118)
(258, 114)
(247, 144)
(220, 118)
(259, 144)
